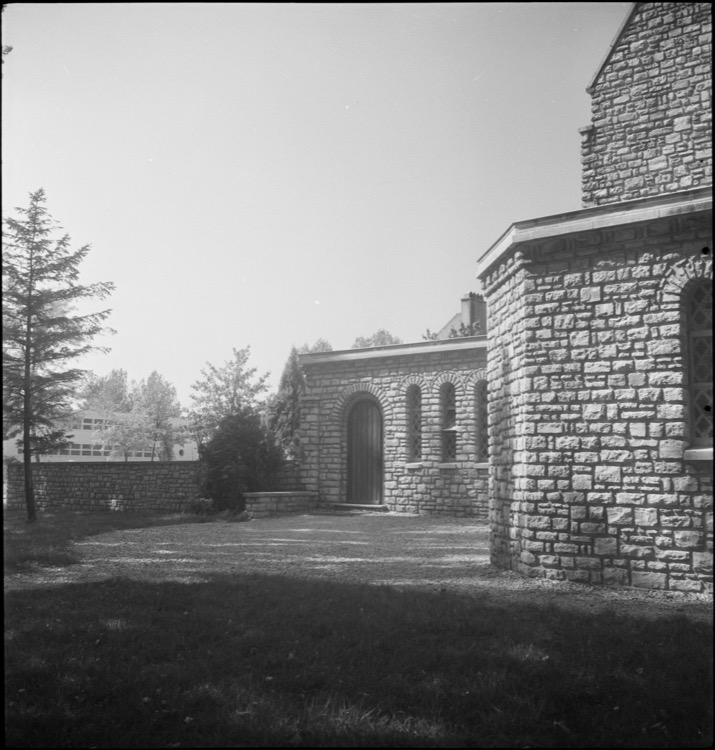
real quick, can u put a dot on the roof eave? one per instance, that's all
(397, 350)
(598, 217)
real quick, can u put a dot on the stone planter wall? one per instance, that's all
(265, 504)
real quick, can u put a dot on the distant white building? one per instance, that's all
(86, 428)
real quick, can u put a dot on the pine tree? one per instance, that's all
(40, 284)
(285, 406)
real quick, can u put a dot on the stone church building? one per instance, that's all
(579, 420)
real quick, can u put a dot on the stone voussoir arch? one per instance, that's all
(423, 381)
(478, 375)
(355, 392)
(682, 274)
(456, 379)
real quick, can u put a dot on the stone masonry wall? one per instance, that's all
(288, 478)
(507, 400)
(427, 486)
(651, 111)
(594, 417)
(266, 504)
(131, 486)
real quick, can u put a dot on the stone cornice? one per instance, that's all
(591, 219)
(398, 350)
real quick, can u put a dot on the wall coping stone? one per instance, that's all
(611, 47)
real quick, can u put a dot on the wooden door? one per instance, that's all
(365, 454)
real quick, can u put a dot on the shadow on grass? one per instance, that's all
(257, 660)
(49, 541)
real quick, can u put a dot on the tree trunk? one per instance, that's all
(27, 460)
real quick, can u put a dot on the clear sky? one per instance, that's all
(271, 174)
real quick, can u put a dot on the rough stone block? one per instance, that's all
(646, 517)
(648, 580)
(605, 546)
(581, 482)
(591, 528)
(615, 576)
(607, 474)
(688, 539)
(620, 516)
(527, 558)
(703, 563)
(686, 584)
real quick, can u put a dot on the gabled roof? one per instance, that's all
(454, 322)
(612, 47)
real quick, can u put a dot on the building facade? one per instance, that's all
(600, 346)
(398, 427)
(87, 443)
(591, 380)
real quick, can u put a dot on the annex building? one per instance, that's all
(88, 442)
(579, 419)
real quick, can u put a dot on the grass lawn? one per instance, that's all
(243, 659)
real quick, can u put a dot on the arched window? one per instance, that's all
(699, 321)
(448, 403)
(480, 409)
(414, 423)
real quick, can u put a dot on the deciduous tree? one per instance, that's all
(107, 393)
(40, 338)
(321, 345)
(126, 433)
(159, 402)
(224, 391)
(379, 338)
(138, 415)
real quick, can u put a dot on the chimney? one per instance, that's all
(474, 311)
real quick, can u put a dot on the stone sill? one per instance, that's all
(413, 466)
(698, 454)
(482, 465)
(281, 494)
(451, 465)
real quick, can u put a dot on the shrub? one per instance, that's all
(202, 506)
(242, 456)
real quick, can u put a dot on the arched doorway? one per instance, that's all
(364, 471)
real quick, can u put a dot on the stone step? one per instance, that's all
(358, 508)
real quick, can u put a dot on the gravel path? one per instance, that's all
(389, 549)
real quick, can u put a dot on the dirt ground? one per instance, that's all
(381, 549)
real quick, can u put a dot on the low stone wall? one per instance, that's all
(131, 486)
(265, 504)
(288, 477)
